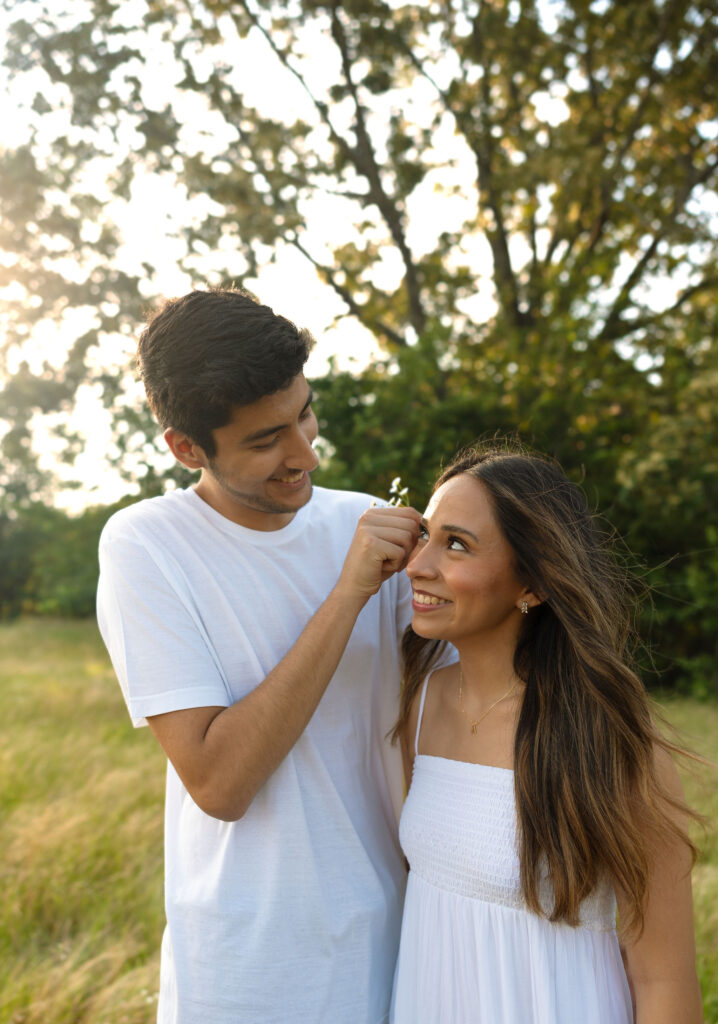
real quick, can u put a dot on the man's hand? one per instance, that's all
(384, 539)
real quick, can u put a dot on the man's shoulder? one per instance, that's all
(145, 513)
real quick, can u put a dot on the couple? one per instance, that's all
(261, 634)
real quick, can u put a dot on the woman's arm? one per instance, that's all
(661, 960)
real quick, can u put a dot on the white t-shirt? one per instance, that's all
(291, 914)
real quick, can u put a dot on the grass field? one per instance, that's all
(81, 835)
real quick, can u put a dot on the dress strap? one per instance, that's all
(421, 712)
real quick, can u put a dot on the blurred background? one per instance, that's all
(494, 216)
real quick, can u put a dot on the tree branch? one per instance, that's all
(483, 148)
(365, 162)
(614, 317)
(346, 296)
(321, 107)
(361, 157)
(628, 135)
(619, 328)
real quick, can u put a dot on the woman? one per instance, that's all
(542, 797)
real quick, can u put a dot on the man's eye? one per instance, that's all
(262, 447)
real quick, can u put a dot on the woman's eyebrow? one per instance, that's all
(450, 528)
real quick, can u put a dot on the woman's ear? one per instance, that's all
(184, 449)
(527, 600)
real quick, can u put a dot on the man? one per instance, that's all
(249, 627)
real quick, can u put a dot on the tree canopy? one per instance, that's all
(518, 201)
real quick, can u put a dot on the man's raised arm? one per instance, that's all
(224, 755)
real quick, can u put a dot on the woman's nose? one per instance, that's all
(420, 563)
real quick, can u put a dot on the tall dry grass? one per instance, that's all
(81, 835)
(697, 726)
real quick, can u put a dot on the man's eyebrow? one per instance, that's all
(450, 528)
(266, 431)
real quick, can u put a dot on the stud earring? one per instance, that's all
(524, 607)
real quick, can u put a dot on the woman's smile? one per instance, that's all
(425, 602)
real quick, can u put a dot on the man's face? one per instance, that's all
(259, 476)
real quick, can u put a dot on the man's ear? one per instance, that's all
(184, 449)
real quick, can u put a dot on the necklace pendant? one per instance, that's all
(474, 727)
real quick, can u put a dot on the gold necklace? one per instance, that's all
(475, 722)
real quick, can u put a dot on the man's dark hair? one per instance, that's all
(209, 351)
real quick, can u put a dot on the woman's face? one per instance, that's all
(461, 569)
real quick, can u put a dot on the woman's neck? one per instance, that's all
(487, 671)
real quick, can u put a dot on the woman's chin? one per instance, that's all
(424, 629)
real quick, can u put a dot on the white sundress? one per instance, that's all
(470, 952)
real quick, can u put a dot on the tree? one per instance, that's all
(522, 197)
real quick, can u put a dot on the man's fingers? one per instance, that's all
(394, 535)
(398, 525)
(391, 513)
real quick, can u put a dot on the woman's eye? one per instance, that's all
(456, 545)
(423, 535)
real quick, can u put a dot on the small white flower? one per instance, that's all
(399, 493)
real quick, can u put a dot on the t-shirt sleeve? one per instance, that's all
(155, 638)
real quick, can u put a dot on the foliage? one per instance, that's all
(50, 561)
(64, 569)
(16, 542)
(522, 196)
(665, 503)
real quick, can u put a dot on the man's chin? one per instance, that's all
(289, 499)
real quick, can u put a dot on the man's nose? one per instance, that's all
(302, 454)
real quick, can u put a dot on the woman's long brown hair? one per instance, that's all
(588, 797)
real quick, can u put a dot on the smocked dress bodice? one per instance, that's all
(471, 952)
